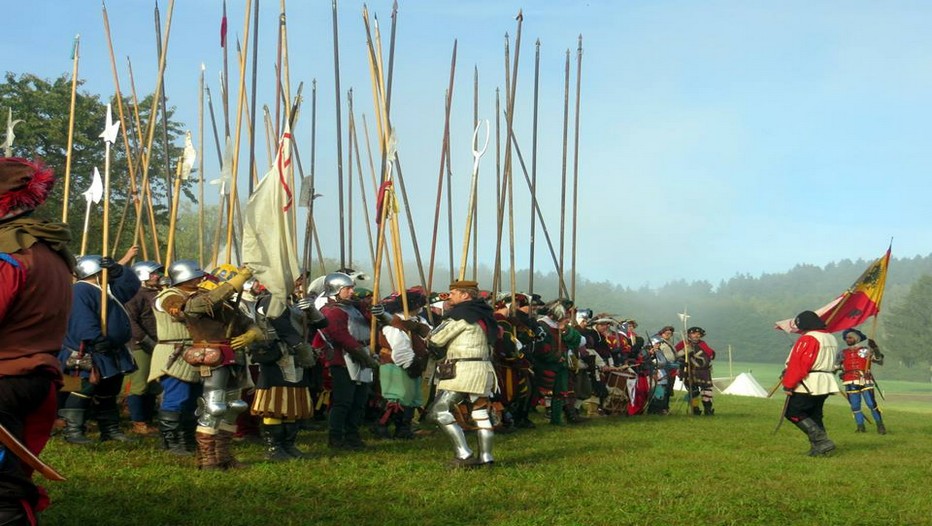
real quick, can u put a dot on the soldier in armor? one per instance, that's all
(221, 332)
(807, 380)
(344, 342)
(468, 333)
(854, 364)
(180, 381)
(282, 397)
(142, 393)
(403, 356)
(98, 356)
(696, 361)
(553, 357)
(35, 299)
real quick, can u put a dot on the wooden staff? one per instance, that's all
(308, 231)
(475, 209)
(225, 81)
(153, 113)
(144, 190)
(349, 182)
(375, 186)
(509, 121)
(533, 237)
(163, 106)
(252, 111)
(449, 189)
(443, 154)
(239, 131)
(173, 216)
(362, 186)
(339, 111)
(286, 91)
(278, 70)
(75, 56)
(134, 196)
(566, 113)
(200, 170)
(576, 170)
(109, 136)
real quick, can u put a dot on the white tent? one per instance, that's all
(746, 385)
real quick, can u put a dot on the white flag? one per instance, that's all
(96, 192)
(268, 233)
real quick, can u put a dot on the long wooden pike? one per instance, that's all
(362, 186)
(509, 122)
(163, 107)
(200, 169)
(566, 121)
(239, 130)
(339, 123)
(130, 162)
(308, 231)
(533, 236)
(153, 113)
(375, 186)
(75, 56)
(443, 153)
(349, 179)
(475, 210)
(225, 81)
(579, 52)
(252, 111)
(144, 188)
(109, 136)
(449, 205)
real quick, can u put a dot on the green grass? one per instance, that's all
(678, 469)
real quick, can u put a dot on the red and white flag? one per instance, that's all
(268, 233)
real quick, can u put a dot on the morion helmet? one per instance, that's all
(184, 270)
(87, 266)
(145, 269)
(335, 281)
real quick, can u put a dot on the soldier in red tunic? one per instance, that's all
(855, 361)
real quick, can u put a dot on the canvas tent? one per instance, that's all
(746, 385)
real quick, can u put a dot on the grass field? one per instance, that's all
(677, 469)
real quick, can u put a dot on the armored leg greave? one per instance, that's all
(441, 412)
(485, 433)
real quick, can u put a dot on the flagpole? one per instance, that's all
(75, 55)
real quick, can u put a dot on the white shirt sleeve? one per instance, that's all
(402, 353)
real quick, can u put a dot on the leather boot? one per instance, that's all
(403, 424)
(707, 408)
(861, 429)
(206, 451)
(274, 437)
(74, 432)
(108, 421)
(818, 438)
(222, 441)
(188, 431)
(172, 433)
(291, 436)
(881, 429)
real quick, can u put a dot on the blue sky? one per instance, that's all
(717, 137)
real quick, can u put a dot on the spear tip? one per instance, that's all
(520, 16)
(538, 42)
(394, 8)
(203, 67)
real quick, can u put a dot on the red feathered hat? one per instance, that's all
(24, 185)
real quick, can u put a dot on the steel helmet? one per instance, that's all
(335, 281)
(87, 266)
(184, 270)
(145, 269)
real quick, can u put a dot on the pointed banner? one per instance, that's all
(96, 192)
(268, 232)
(188, 158)
(857, 304)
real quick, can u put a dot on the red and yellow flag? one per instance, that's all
(857, 304)
(861, 300)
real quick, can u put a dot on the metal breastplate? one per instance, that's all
(357, 325)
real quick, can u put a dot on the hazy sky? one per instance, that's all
(717, 137)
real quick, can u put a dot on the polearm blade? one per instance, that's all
(23, 453)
